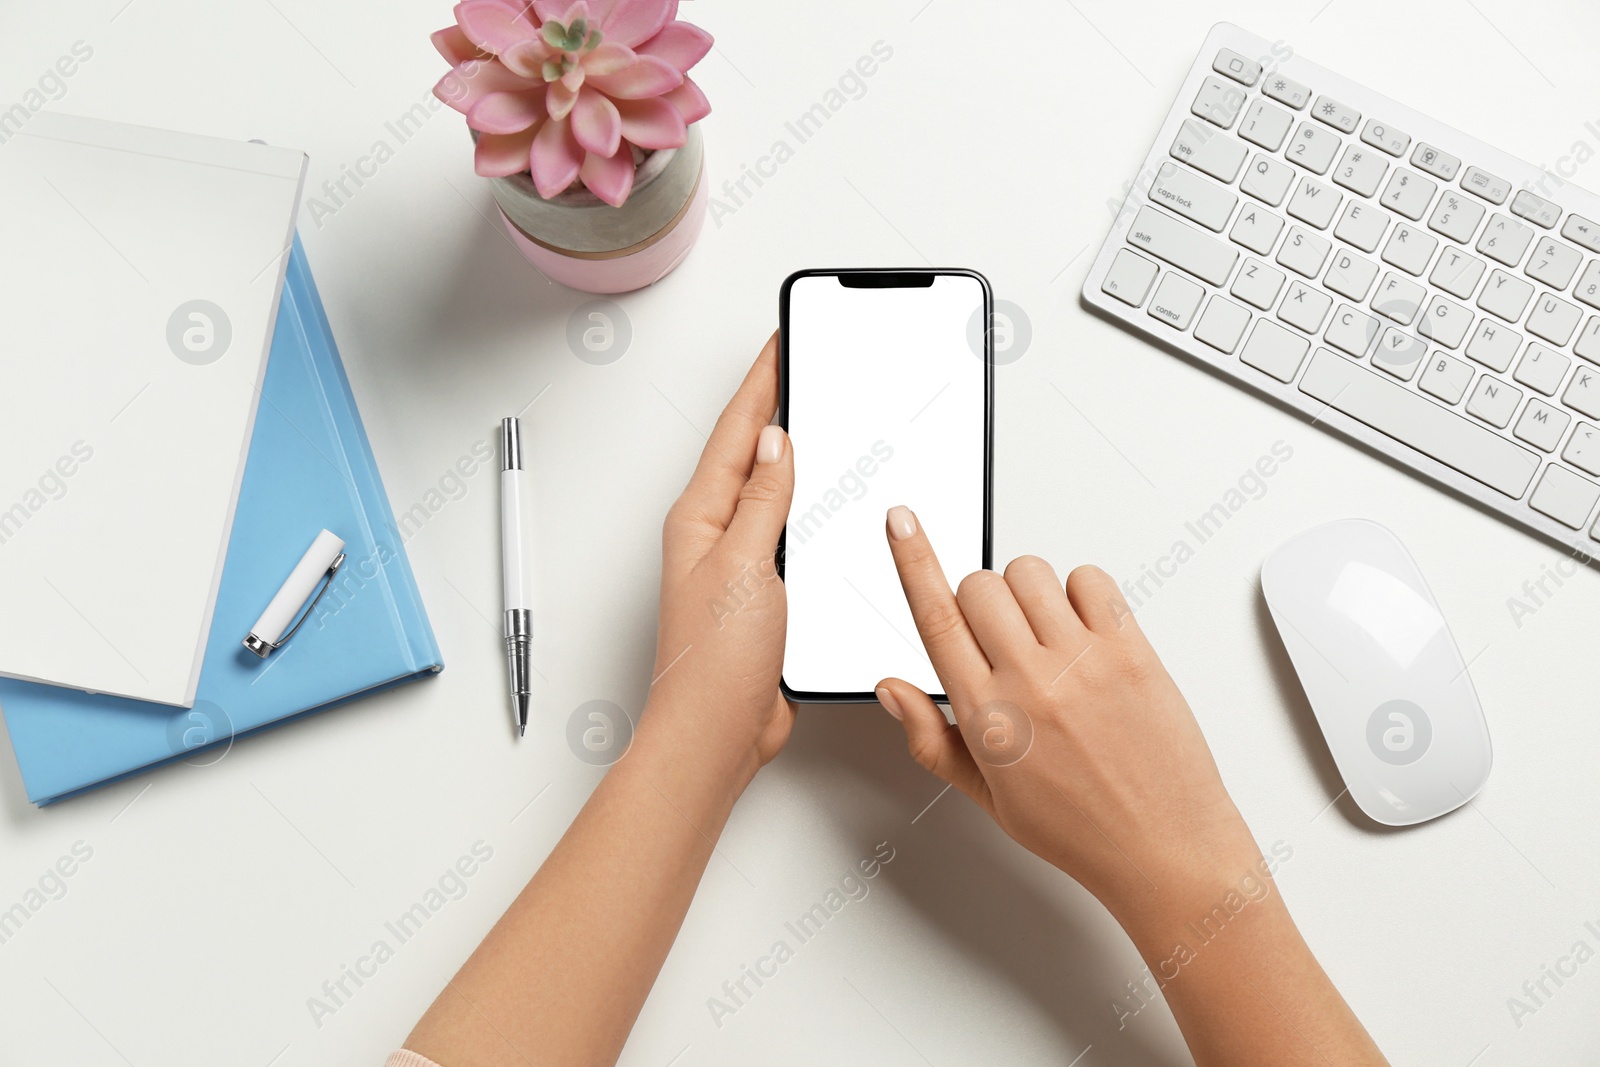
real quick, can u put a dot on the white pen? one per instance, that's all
(518, 610)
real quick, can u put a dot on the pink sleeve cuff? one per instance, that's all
(408, 1059)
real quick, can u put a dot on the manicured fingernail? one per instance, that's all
(769, 447)
(902, 524)
(890, 704)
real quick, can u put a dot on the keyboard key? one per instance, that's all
(1351, 331)
(1360, 170)
(1553, 263)
(1457, 273)
(1446, 378)
(1583, 393)
(1583, 449)
(1542, 425)
(1399, 353)
(1565, 497)
(1554, 319)
(1286, 91)
(1495, 190)
(1583, 232)
(1409, 193)
(1274, 350)
(1304, 252)
(1386, 138)
(1494, 345)
(1176, 300)
(1505, 239)
(1536, 209)
(1314, 202)
(1457, 217)
(1257, 229)
(1304, 307)
(1588, 289)
(1208, 151)
(1182, 245)
(1445, 322)
(1410, 249)
(1335, 114)
(1191, 196)
(1130, 277)
(1588, 345)
(1313, 148)
(1494, 401)
(1505, 296)
(1258, 284)
(1231, 63)
(1265, 125)
(1542, 370)
(1362, 225)
(1398, 298)
(1218, 102)
(1222, 324)
(1350, 275)
(1267, 180)
(1392, 409)
(1439, 164)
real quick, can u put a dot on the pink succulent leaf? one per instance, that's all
(609, 177)
(555, 159)
(559, 100)
(493, 26)
(573, 79)
(680, 44)
(648, 77)
(500, 155)
(596, 123)
(469, 83)
(507, 112)
(602, 9)
(550, 10)
(633, 22)
(653, 123)
(690, 102)
(575, 10)
(609, 58)
(526, 58)
(454, 46)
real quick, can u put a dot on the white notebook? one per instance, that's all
(140, 272)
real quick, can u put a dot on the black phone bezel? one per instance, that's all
(888, 278)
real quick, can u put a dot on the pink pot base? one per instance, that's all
(621, 274)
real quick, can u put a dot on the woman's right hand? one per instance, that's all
(1069, 732)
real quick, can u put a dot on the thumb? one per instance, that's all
(935, 744)
(763, 505)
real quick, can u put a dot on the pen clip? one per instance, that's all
(327, 583)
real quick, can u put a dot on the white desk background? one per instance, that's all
(219, 899)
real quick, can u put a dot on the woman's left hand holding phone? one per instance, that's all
(720, 637)
(564, 973)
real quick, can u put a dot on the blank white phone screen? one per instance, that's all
(887, 406)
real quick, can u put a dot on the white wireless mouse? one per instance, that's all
(1381, 669)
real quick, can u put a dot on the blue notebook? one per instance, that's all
(310, 467)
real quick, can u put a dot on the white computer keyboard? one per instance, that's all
(1396, 280)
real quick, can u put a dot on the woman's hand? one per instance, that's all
(1069, 731)
(719, 649)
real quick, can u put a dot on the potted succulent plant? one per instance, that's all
(584, 117)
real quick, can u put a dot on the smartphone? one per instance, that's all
(886, 388)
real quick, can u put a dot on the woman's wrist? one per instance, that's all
(697, 743)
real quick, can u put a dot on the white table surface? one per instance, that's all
(219, 899)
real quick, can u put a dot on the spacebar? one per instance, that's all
(1425, 426)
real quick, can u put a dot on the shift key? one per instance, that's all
(1182, 245)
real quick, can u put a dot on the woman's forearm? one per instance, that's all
(564, 973)
(1242, 984)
